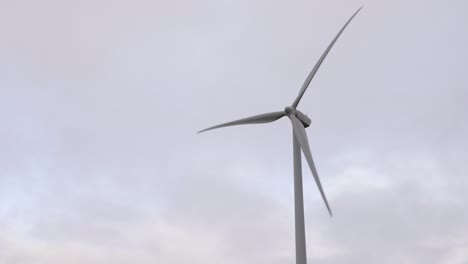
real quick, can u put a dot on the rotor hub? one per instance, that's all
(289, 110)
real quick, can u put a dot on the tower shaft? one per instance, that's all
(301, 254)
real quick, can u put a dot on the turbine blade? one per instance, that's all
(301, 136)
(258, 119)
(319, 62)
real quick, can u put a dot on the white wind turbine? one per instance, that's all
(299, 123)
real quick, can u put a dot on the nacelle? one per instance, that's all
(303, 118)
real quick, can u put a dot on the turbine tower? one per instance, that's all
(299, 123)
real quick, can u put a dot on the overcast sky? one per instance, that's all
(100, 102)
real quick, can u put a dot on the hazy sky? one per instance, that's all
(100, 102)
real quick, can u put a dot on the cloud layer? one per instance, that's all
(100, 102)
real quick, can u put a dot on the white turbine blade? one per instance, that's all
(319, 62)
(301, 136)
(258, 119)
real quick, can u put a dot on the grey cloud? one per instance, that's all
(100, 102)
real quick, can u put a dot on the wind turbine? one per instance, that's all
(299, 123)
